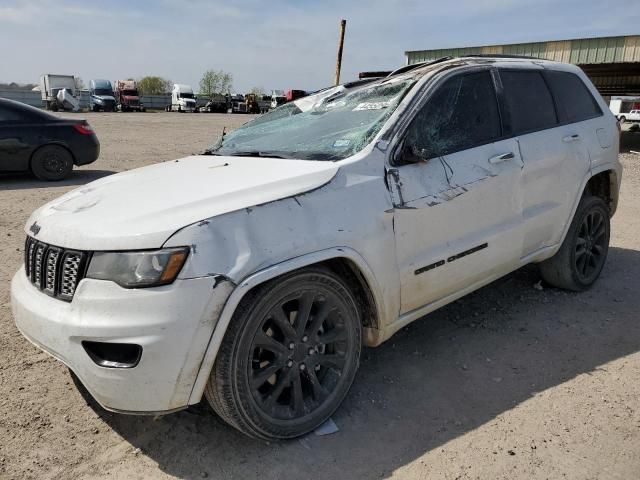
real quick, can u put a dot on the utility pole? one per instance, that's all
(343, 26)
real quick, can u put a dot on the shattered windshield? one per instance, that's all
(331, 125)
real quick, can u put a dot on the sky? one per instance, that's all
(275, 44)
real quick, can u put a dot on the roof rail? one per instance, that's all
(408, 68)
(499, 55)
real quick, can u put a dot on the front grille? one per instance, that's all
(56, 271)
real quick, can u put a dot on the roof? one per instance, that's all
(577, 51)
(422, 68)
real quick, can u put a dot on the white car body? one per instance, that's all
(182, 98)
(416, 238)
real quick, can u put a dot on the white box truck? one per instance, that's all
(182, 99)
(59, 92)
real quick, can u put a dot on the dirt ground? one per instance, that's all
(510, 382)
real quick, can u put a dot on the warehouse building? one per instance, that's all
(612, 63)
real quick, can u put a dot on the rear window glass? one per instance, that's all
(528, 101)
(575, 102)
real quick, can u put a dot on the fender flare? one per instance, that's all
(254, 279)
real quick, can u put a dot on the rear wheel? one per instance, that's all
(623, 119)
(578, 263)
(289, 356)
(52, 162)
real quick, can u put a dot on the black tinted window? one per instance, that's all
(528, 101)
(10, 115)
(20, 112)
(575, 102)
(462, 113)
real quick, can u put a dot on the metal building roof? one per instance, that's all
(579, 51)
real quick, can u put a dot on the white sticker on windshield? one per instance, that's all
(372, 106)
(343, 142)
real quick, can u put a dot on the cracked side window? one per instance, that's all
(462, 113)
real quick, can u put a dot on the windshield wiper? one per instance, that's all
(254, 153)
(211, 151)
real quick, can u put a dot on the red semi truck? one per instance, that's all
(127, 97)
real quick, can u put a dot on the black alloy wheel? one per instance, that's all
(289, 356)
(582, 255)
(591, 245)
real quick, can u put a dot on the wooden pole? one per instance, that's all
(343, 26)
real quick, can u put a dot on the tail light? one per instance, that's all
(83, 128)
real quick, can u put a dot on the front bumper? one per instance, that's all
(173, 324)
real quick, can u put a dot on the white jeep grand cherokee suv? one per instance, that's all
(252, 274)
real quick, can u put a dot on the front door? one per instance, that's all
(458, 214)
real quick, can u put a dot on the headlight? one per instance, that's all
(138, 269)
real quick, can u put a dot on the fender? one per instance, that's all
(549, 251)
(261, 276)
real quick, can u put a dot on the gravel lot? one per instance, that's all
(509, 382)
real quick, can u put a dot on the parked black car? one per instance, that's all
(47, 145)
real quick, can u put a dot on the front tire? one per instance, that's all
(578, 263)
(52, 163)
(289, 356)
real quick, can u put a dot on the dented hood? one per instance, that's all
(141, 208)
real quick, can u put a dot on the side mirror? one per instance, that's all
(411, 153)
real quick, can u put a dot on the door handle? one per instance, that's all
(503, 157)
(571, 138)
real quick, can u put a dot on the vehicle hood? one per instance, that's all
(142, 208)
(105, 97)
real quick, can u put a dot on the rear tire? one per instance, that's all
(52, 163)
(276, 376)
(623, 119)
(578, 263)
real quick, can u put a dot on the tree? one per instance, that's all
(215, 82)
(152, 85)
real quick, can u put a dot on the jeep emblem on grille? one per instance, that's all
(35, 228)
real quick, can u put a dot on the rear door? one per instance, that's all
(555, 156)
(582, 115)
(456, 191)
